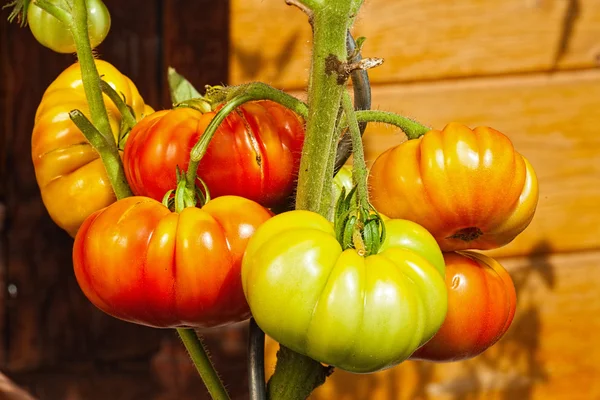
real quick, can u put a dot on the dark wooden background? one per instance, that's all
(53, 341)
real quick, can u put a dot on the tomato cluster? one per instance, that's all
(363, 290)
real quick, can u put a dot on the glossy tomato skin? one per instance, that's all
(481, 308)
(360, 314)
(255, 153)
(138, 261)
(69, 172)
(469, 188)
(52, 33)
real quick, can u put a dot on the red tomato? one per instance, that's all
(255, 153)
(469, 188)
(481, 307)
(138, 261)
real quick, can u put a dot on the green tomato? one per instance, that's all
(360, 314)
(53, 34)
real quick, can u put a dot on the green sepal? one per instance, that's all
(19, 11)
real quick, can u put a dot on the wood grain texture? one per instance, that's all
(552, 119)
(422, 40)
(196, 41)
(548, 353)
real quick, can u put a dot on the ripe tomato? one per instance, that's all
(255, 153)
(469, 188)
(138, 261)
(69, 172)
(481, 307)
(53, 34)
(361, 314)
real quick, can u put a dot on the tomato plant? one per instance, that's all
(469, 188)
(255, 152)
(481, 307)
(69, 172)
(357, 313)
(53, 34)
(138, 261)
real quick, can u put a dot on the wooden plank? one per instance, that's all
(197, 41)
(548, 353)
(422, 40)
(551, 119)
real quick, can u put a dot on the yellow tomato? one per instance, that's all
(69, 172)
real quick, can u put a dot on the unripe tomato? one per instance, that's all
(69, 172)
(53, 34)
(361, 314)
(138, 261)
(255, 152)
(481, 307)
(469, 188)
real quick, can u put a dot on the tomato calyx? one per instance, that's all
(467, 234)
(186, 194)
(358, 227)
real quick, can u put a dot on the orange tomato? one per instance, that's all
(138, 261)
(69, 172)
(481, 307)
(469, 188)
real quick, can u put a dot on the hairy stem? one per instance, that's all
(204, 366)
(411, 128)
(359, 171)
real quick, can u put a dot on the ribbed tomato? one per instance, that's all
(469, 188)
(255, 153)
(138, 261)
(69, 172)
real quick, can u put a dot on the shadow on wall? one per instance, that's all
(254, 63)
(510, 369)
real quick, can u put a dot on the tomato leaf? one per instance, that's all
(180, 88)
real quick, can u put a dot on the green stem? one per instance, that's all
(411, 128)
(296, 376)
(359, 170)
(108, 153)
(89, 72)
(205, 368)
(201, 146)
(262, 91)
(123, 108)
(236, 96)
(76, 20)
(330, 19)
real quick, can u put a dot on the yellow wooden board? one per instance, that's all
(422, 40)
(550, 352)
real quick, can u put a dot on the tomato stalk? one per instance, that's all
(410, 127)
(108, 153)
(330, 21)
(296, 375)
(359, 169)
(204, 366)
(126, 114)
(102, 135)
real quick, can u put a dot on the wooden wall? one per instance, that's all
(529, 68)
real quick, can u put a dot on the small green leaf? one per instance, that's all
(180, 88)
